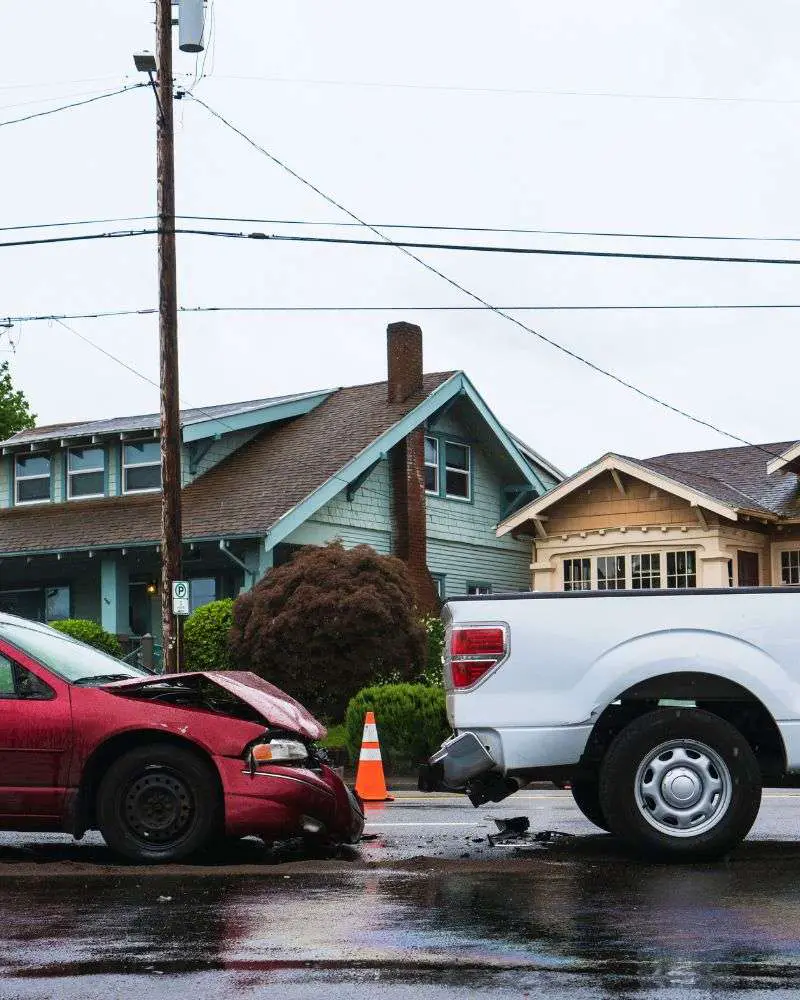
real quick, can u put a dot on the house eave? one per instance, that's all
(606, 464)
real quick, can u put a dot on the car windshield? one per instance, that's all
(69, 659)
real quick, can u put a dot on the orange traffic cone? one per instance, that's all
(370, 782)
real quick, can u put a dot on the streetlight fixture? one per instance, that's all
(145, 62)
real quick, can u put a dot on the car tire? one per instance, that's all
(159, 803)
(680, 784)
(586, 793)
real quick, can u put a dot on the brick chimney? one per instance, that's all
(404, 357)
(404, 353)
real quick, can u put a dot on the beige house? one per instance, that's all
(723, 518)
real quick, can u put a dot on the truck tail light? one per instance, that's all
(474, 651)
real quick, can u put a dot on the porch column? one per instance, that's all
(114, 597)
(713, 571)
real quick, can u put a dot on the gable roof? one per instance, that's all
(738, 476)
(728, 481)
(266, 487)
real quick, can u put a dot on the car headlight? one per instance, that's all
(277, 752)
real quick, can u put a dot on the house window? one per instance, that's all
(56, 603)
(202, 590)
(457, 470)
(86, 472)
(577, 574)
(141, 466)
(646, 571)
(438, 582)
(32, 476)
(681, 569)
(479, 588)
(611, 572)
(431, 465)
(790, 569)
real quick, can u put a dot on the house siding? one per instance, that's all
(364, 520)
(219, 450)
(461, 564)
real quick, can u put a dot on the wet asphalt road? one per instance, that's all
(427, 909)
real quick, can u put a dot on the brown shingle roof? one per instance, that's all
(735, 476)
(244, 494)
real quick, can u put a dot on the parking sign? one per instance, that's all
(180, 597)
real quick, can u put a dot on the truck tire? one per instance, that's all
(159, 803)
(680, 784)
(586, 792)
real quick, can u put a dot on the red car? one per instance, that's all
(161, 765)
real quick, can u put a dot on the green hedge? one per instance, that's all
(91, 633)
(205, 637)
(411, 721)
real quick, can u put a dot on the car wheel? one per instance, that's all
(680, 783)
(159, 803)
(586, 792)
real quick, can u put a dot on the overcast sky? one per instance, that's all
(437, 112)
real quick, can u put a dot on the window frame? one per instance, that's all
(442, 468)
(83, 472)
(568, 586)
(18, 478)
(612, 557)
(428, 465)
(650, 573)
(439, 581)
(790, 553)
(139, 465)
(479, 588)
(674, 553)
(462, 472)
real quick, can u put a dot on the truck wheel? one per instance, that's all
(586, 792)
(680, 783)
(159, 803)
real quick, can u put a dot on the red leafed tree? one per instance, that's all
(328, 623)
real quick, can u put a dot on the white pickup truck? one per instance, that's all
(666, 711)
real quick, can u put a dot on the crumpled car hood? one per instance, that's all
(277, 708)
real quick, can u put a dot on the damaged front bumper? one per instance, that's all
(281, 802)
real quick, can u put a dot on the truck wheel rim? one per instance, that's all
(683, 788)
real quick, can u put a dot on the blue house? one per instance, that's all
(417, 466)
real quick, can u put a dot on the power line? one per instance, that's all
(461, 288)
(536, 251)
(74, 104)
(406, 246)
(449, 88)
(322, 224)
(121, 313)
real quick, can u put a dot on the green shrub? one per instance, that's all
(411, 721)
(329, 622)
(205, 637)
(91, 633)
(336, 738)
(434, 627)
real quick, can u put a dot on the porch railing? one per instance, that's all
(142, 651)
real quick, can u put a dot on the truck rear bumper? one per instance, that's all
(472, 754)
(459, 759)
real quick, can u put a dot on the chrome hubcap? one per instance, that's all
(683, 788)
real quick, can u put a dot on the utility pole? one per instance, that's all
(171, 535)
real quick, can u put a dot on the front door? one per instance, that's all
(747, 563)
(35, 746)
